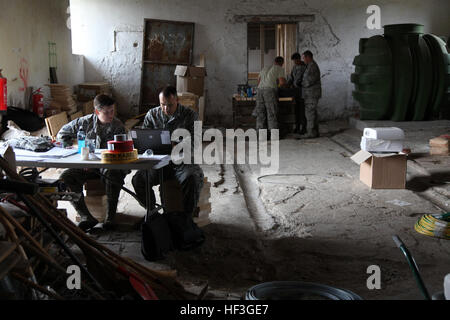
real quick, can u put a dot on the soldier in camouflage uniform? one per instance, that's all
(101, 126)
(312, 92)
(171, 116)
(295, 80)
(267, 96)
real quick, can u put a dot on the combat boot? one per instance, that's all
(87, 220)
(110, 214)
(310, 134)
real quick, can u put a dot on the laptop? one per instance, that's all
(155, 139)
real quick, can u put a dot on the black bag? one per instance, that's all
(156, 239)
(25, 119)
(186, 234)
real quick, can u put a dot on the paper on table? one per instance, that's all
(52, 153)
(154, 156)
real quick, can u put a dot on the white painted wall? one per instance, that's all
(333, 38)
(26, 27)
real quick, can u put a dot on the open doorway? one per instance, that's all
(265, 42)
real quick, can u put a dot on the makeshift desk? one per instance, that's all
(74, 161)
(243, 108)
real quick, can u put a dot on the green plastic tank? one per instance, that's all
(441, 77)
(397, 36)
(404, 75)
(373, 78)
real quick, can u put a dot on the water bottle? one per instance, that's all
(81, 137)
(249, 92)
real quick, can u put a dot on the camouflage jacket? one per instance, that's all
(183, 118)
(311, 85)
(36, 144)
(102, 133)
(296, 76)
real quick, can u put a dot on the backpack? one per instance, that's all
(156, 239)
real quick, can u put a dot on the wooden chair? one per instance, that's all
(55, 123)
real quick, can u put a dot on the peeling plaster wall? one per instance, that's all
(105, 31)
(26, 27)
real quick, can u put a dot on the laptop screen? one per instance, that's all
(155, 139)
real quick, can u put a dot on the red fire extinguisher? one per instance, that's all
(38, 103)
(3, 94)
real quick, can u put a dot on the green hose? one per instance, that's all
(413, 266)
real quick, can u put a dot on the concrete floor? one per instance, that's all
(314, 221)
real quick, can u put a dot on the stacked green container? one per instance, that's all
(414, 84)
(373, 78)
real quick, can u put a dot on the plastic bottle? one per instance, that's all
(81, 137)
(447, 287)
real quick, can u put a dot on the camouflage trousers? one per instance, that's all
(312, 121)
(189, 176)
(76, 178)
(267, 109)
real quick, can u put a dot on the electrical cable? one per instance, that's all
(433, 225)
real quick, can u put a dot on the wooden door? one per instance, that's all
(166, 45)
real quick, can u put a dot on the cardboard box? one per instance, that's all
(188, 99)
(88, 107)
(88, 90)
(440, 145)
(190, 79)
(381, 171)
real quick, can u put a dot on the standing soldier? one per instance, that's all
(101, 126)
(312, 92)
(267, 95)
(295, 80)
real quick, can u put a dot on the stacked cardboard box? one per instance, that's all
(61, 100)
(382, 165)
(88, 90)
(188, 99)
(440, 145)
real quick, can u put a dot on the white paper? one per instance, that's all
(165, 137)
(399, 203)
(153, 157)
(384, 133)
(378, 145)
(133, 134)
(52, 153)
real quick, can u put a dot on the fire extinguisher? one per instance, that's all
(38, 103)
(3, 94)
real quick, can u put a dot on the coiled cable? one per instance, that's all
(433, 225)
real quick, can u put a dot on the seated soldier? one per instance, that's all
(100, 126)
(171, 115)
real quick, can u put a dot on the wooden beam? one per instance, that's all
(269, 18)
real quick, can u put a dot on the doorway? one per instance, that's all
(265, 41)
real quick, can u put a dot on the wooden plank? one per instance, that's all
(55, 123)
(6, 248)
(9, 263)
(76, 115)
(131, 123)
